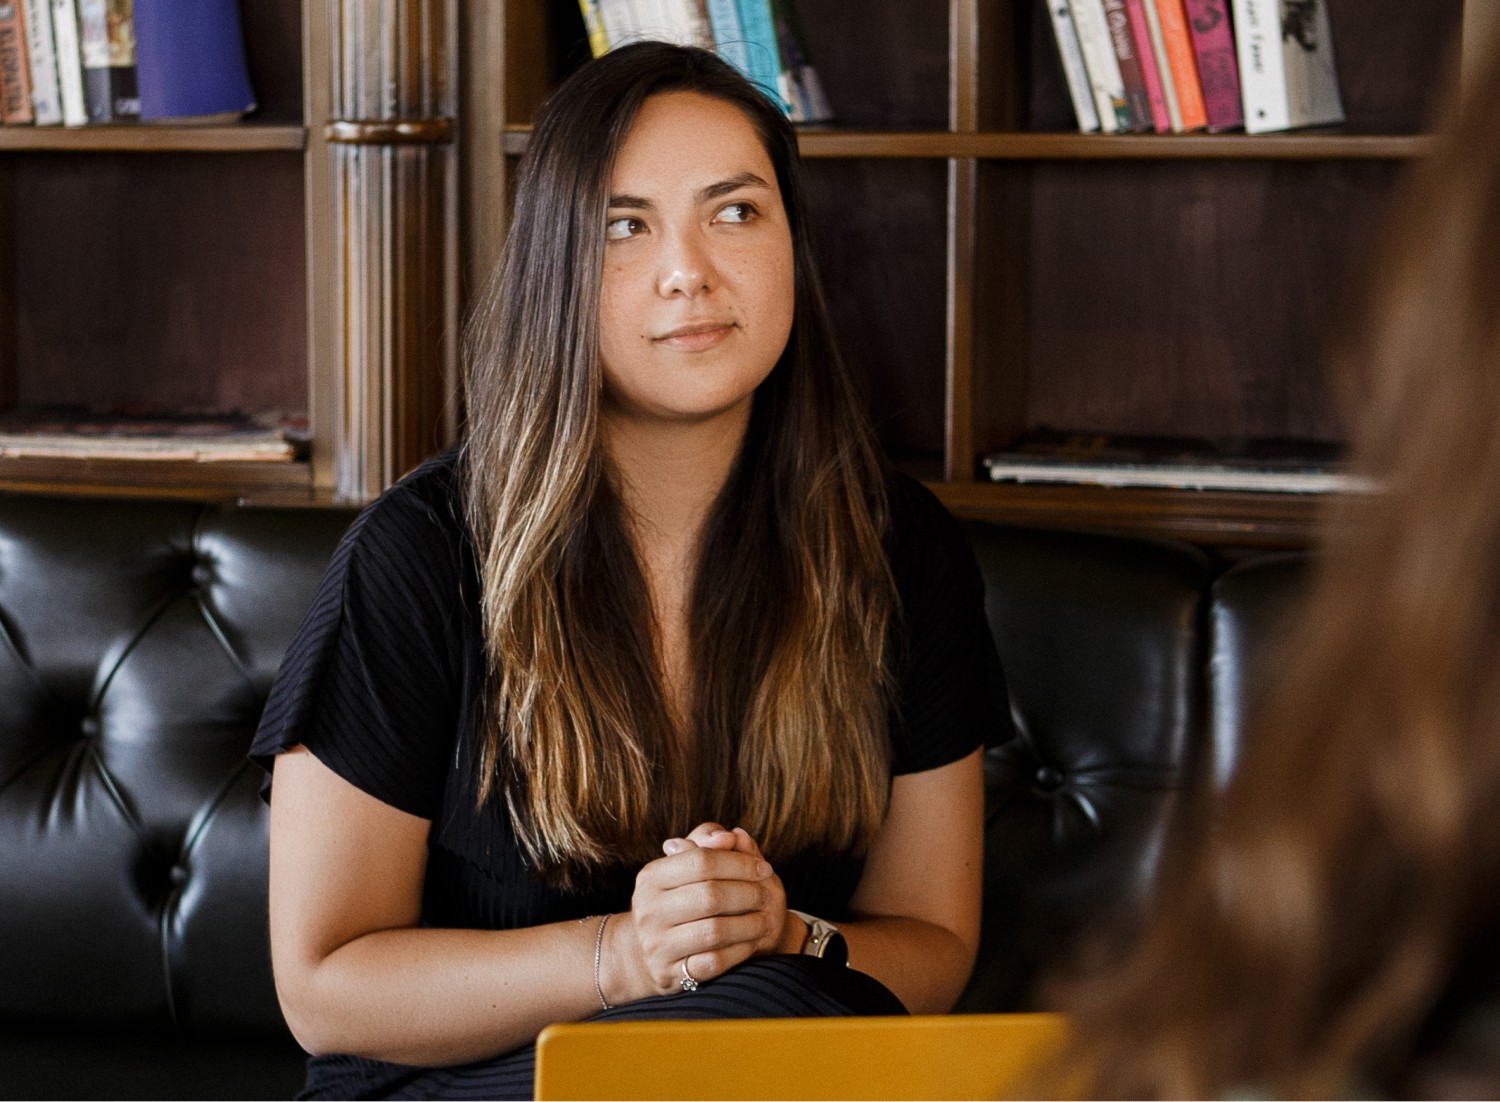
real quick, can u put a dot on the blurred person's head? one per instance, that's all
(1336, 920)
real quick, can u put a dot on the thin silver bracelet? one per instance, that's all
(598, 950)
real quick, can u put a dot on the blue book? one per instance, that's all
(729, 37)
(758, 30)
(190, 59)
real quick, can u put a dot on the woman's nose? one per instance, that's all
(687, 267)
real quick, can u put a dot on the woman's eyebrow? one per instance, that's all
(734, 183)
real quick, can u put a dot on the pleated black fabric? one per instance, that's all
(383, 683)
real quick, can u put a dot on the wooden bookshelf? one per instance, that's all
(302, 262)
(992, 272)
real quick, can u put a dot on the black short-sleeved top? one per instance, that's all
(384, 678)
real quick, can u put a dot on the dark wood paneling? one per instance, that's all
(168, 282)
(1393, 57)
(545, 41)
(273, 49)
(879, 232)
(1192, 300)
(883, 65)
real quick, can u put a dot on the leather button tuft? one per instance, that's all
(90, 726)
(202, 573)
(1048, 778)
(179, 875)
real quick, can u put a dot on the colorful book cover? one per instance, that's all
(1163, 69)
(1132, 72)
(593, 23)
(1104, 71)
(1065, 34)
(15, 67)
(1218, 71)
(46, 96)
(761, 50)
(69, 62)
(190, 60)
(106, 39)
(1183, 65)
(1140, 32)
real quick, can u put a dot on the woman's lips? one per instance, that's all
(697, 337)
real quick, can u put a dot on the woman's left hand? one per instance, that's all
(786, 932)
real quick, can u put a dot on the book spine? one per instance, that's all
(46, 104)
(802, 88)
(1104, 71)
(1140, 33)
(1218, 72)
(1163, 69)
(1132, 73)
(593, 22)
(69, 62)
(729, 39)
(1184, 67)
(15, 68)
(1312, 86)
(106, 39)
(760, 47)
(1074, 71)
(1257, 35)
(683, 22)
(619, 22)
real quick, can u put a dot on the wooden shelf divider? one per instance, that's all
(151, 138)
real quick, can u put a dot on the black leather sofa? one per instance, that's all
(138, 640)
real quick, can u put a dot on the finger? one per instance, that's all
(744, 843)
(711, 899)
(675, 845)
(696, 864)
(712, 835)
(704, 967)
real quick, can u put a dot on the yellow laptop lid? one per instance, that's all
(919, 1057)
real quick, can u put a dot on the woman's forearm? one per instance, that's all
(434, 996)
(924, 964)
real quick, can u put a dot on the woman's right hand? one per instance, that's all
(704, 900)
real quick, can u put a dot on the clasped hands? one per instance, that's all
(710, 903)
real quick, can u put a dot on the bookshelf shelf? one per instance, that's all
(291, 480)
(148, 138)
(1003, 146)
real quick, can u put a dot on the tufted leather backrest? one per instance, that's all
(138, 641)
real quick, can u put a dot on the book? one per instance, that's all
(729, 39)
(68, 433)
(1140, 32)
(1312, 86)
(1218, 71)
(69, 62)
(1181, 63)
(764, 55)
(1070, 53)
(593, 22)
(1104, 71)
(681, 21)
(46, 96)
(106, 39)
(798, 80)
(190, 60)
(1274, 466)
(15, 68)
(1163, 67)
(1132, 73)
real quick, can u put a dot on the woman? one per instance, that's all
(665, 588)
(1334, 933)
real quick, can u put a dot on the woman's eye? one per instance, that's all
(619, 229)
(738, 212)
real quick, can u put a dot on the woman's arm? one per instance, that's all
(356, 973)
(915, 923)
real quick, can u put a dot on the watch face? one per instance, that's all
(835, 948)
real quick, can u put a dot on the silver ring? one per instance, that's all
(688, 983)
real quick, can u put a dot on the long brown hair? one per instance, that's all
(793, 596)
(1348, 883)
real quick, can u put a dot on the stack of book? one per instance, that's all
(760, 38)
(1173, 66)
(74, 433)
(75, 62)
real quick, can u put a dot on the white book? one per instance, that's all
(1312, 85)
(1163, 66)
(618, 17)
(1074, 69)
(46, 99)
(681, 21)
(1257, 42)
(1103, 67)
(75, 110)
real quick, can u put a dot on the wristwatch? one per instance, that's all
(823, 939)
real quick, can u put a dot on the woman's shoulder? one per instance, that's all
(424, 505)
(922, 534)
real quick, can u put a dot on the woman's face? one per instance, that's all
(696, 303)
